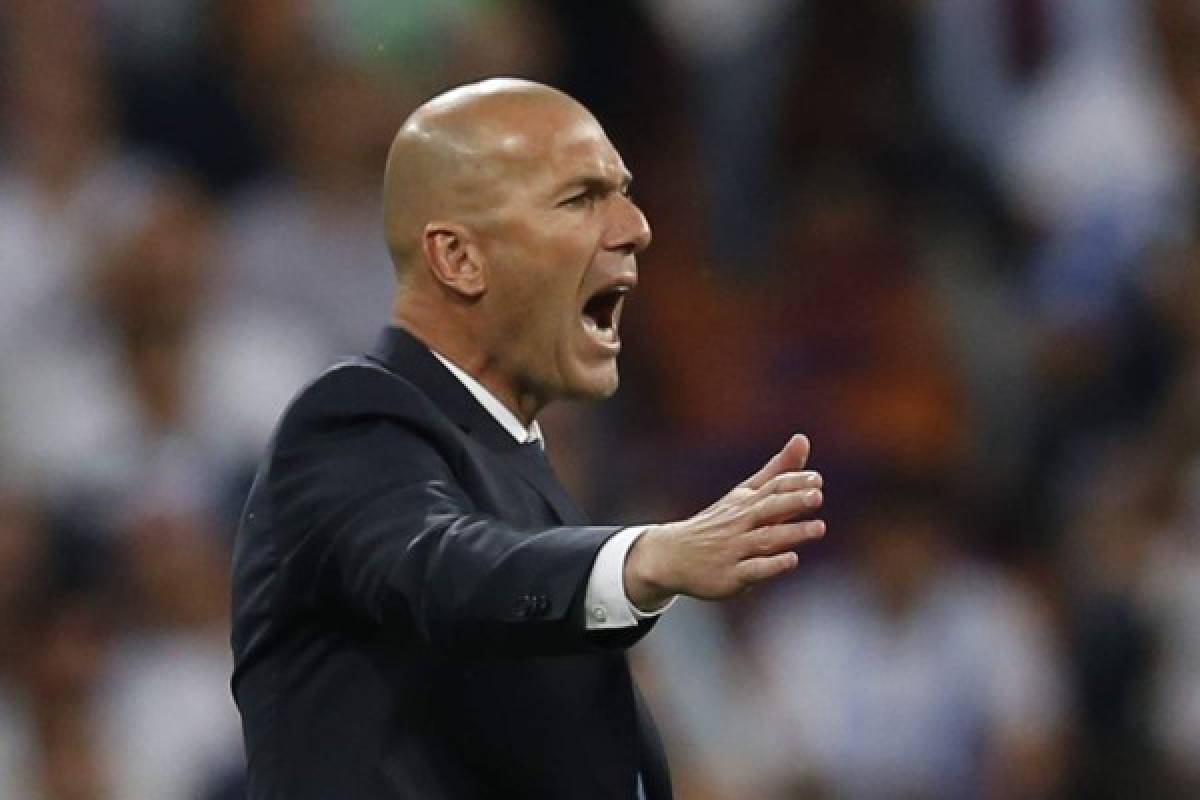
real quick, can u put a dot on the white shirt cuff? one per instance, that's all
(606, 602)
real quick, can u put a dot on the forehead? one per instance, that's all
(560, 150)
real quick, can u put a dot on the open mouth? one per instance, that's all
(602, 313)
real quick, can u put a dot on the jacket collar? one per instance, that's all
(409, 357)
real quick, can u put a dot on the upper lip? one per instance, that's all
(603, 305)
(624, 283)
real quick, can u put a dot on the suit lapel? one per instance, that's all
(531, 464)
(402, 353)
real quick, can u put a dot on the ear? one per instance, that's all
(454, 258)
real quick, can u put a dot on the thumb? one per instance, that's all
(793, 456)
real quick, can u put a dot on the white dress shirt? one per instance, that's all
(607, 604)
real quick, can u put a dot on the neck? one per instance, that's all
(455, 343)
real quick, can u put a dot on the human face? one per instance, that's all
(561, 256)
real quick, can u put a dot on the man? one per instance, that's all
(419, 610)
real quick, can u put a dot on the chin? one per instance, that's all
(595, 386)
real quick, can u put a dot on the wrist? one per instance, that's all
(644, 574)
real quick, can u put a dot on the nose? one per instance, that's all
(629, 231)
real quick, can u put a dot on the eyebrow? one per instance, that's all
(598, 183)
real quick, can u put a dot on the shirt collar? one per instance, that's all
(500, 412)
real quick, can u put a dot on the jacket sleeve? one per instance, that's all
(369, 521)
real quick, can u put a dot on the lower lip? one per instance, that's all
(606, 340)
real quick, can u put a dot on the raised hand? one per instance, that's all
(741, 540)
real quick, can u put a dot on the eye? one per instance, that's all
(580, 200)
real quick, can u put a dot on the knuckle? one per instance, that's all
(761, 571)
(789, 481)
(761, 544)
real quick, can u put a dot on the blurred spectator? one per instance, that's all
(180, 91)
(1070, 112)
(64, 176)
(288, 231)
(151, 383)
(53, 636)
(331, 102)
(739, 56)
(843, 339)
(701, 681)
(912, 671)
(1062, 102)
(68, 638)
(104, 700)
(1134, 573)
(167, 721)
(1171, 592)
(22, 545)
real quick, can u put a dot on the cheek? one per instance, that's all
(553, 299)
(537, 325)
(541, 289)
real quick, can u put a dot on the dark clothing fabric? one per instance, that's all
(408, 606)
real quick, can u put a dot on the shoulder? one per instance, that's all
(359, 386)
(359, 393)
(355, 428)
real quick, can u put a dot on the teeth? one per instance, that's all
(589, 325)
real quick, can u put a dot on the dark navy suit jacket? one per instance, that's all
(408, 607)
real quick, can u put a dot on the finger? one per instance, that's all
(786, 505)
(773, 539)
(792, 457)
(792, 481)
(757, 570)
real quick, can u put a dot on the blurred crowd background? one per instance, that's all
(954, 241)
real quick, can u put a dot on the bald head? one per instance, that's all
(515, 239)
(453, 158)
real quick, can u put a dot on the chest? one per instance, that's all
(515, 484)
